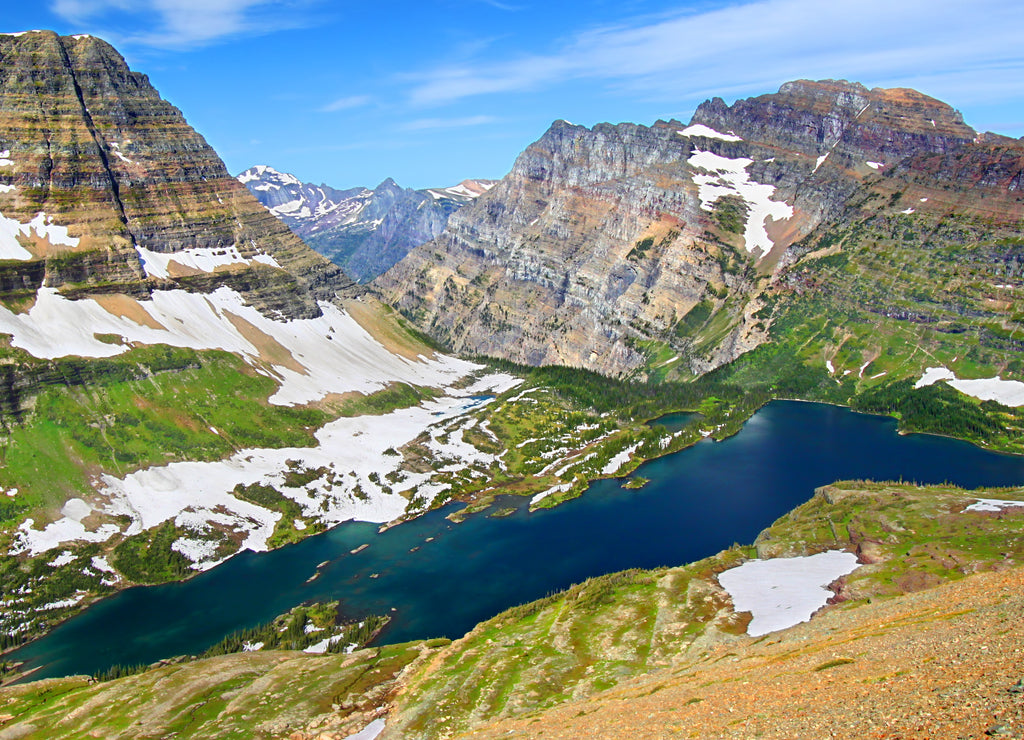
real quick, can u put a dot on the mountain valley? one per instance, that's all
(184, 379)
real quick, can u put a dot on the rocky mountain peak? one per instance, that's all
(104, 187)
(364, 231)
(604, 242)
(815, 117)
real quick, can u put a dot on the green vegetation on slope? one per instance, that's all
(884, 296)
(300, 628)
(150, 406)
(148, 557)
(612, 628)
(569, 645)
(242, 696)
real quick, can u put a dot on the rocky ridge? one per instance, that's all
(90, 143)
(608, 247)
(365, 231)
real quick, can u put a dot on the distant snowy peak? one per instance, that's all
(268, 177)
(362, 230)
(296, 202)
(465, 191)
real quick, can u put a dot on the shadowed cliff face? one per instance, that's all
(91, 144)
(610, 246)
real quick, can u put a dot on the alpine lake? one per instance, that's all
(438, 579)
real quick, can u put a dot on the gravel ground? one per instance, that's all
(942, 663)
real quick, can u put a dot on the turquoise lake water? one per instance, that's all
(699, 501)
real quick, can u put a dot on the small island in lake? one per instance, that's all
(636, 482)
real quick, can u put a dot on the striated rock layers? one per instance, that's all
(625, 246)
(364, 231)
(105, 188)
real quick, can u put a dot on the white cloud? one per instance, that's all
(757, 45)
(185, 23)
(346, 103)
(424, 124)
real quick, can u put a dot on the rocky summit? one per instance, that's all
(362, 230)
(603, 244)
(104, 188)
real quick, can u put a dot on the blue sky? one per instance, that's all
(434, 91)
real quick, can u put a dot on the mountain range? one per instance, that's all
(185, 379)
(608, 247)
(366, 232)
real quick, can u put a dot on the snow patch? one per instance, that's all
(782, 592)
(42, 225)
(202, 553)
(5, 158)
(371, 732)
(1006, 392)
(115, 147)
(63, 603)
(204, 259)
(875, 165)
(64, 530)
(699, 129)
(994, 504)
(907, 211)
(7, 188)
(99, 562)
(731, 178)
(63, 559)
(266, 259)
(288, 209)
(321, 647)
(561, 488)
(619, 460)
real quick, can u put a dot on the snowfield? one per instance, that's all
(203, 259)
(198, 495)
(730, 177)
(42, 225)
(1006, 392)
(994, 504)
(782, 592)
(308, 358)
(329, 354)
(370, 732)
(699, 129)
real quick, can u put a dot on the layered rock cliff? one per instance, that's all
(363, 231)
(622, 246)
(102, 183)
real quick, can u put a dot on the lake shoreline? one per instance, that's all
(600, 494)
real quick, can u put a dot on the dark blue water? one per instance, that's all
(674, 422)
(699, 501)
